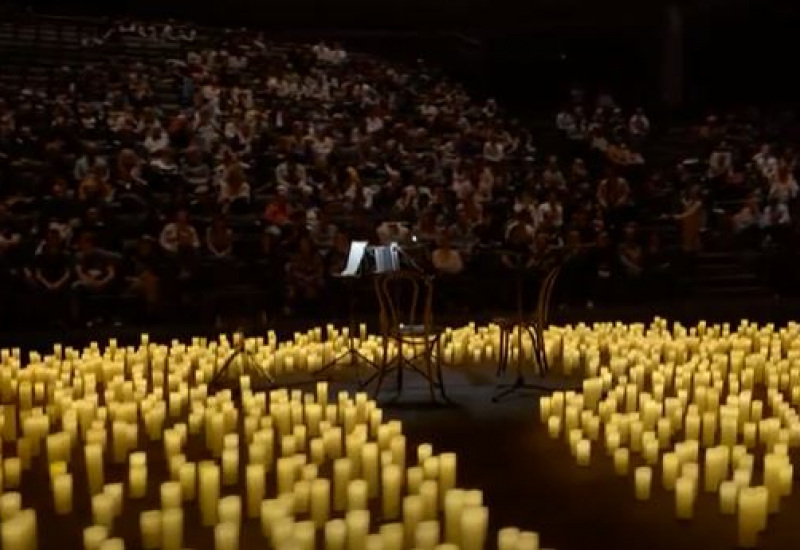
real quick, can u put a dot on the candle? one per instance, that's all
(103, 510)
(715, 468)
(320, 501)
(424, 452)
(255, 475)
(392, 480)
(357, 529)
(670, 467)
(357, 495)
(170, 495)
(304, 535)
(209, 488)
(583, 455)
(94, 536)
(369, 467)
(317, 450)
(651, 451)
(230, 466)
(93, 455)
(226, 536)
(414, 477)
(113, 544)
(474, 524)
(341, 480)
(453, 506)
(172, 529)
(229, 510)
(302, 494)
(554, 426)
(528, 541)
(753, 509)
(150, 528)
(621, 459)
(427, 535)
(728, 494)
(685, 494)
(643, 476)
(507, 538)
(335, 534)
(412, 515)
(398, 448)
(62, 494)
(286, 468)
(17, 532)
(447, 473)
(115, 492)
(137, 481)
(188, 480)
(392, 536)
(429, 491)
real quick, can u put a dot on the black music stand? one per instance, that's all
(356, 266)
(521, 324)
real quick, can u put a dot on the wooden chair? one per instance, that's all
(405, 301)
(534, 324)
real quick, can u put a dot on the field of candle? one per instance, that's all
(114, 447)
(705, 416)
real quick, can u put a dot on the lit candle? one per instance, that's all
(369, 467)
(427, 535)
(255, 475)
(670, 466)
(320, 501)
(412, 515)
(357, 529)
(414, 477)
(621, 459)
(429, 491)
(150, 528)
(392, 536)
(102, 510)
(93, 455)
(728, 494)
(507, 538)
(230, 466)
(172, 529)
(188, 480)
(171, 495)
(335, 534)
(357, 495)
(447, 473)
(643, 477)
(554, 426)
(685, 494)
(94, 536)
(584, 450)
(137, 481)
(209, 488)
(474, 524)
(302, 495)
(453, 506)
(392, 480)
(753, 503)
(226, 536)
(62, 494)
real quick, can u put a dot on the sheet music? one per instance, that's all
(384, 261)
(354, 258)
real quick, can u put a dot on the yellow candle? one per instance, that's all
(554, 426)
(171, 495)
(474, 524)
(412, 514)
(320, 501)
(209, 488)
(137, 481)
(172, 529)
(752, 507)
(369, 466)
(103, 510)
(670, 467)
(335, 534)
(226, 536)
(427, 535)
(93, 455)
(583, 454)
(255, 475)
(685, 494)
(150, 529)
(357, 529)
(357, 495)
(621, 459)
(728, 494)
(643, 477)
(188, 480)
(62, 494)
(392, 536)
(392, 479)
(429, 491)
(94, 536)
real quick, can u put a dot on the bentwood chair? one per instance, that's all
(405, 301)
(525, 322)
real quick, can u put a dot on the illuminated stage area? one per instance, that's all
(680, 438)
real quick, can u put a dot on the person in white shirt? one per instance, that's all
(179, 235)
(765, 161)
(290, 175)
(157, 140)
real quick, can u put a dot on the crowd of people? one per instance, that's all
(117, 204)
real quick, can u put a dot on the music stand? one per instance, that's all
(357, 263)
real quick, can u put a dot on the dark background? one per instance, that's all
(529, 53)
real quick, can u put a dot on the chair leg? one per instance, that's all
(428, 357)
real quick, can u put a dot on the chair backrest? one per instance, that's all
(545, 295)
(405, 298)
